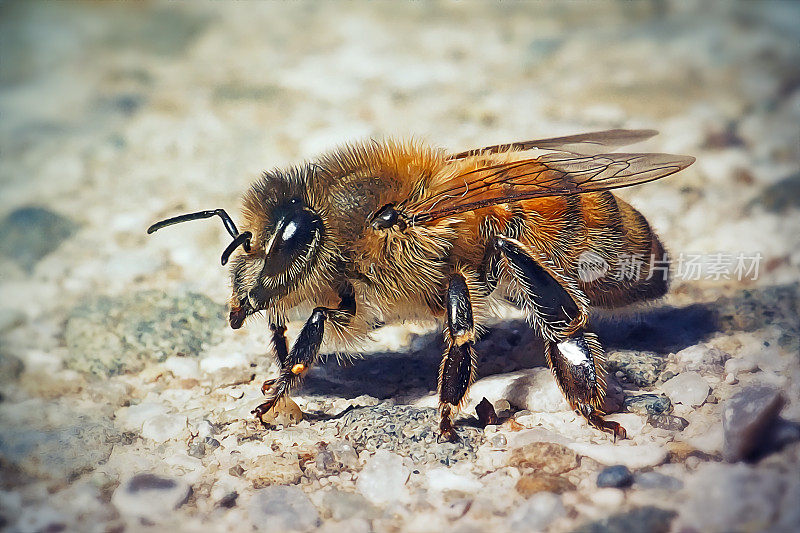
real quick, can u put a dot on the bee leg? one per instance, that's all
(279, 341)
(578, 365)
(457, 371)
(280, 348)
(303, 354)
(305, 351)
(558, 310)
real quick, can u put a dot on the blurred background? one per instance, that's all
(115, 115)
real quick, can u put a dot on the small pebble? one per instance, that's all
(648, 404)
(150, 496)
(229, 500)
(688, 388)
(668, 422)
(618, 476)
(277, 509)
(383, 478)
(486, 413)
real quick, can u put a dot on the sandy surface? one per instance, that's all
(125, 398)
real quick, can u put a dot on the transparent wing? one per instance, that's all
(555, 174)
(584, 144)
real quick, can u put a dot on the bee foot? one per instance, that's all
(607, 426)
(449, 435)
(448, 432)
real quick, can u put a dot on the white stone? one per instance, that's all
(183, 367)
(162, 428)
(607, 498)
(383, 478)
(622, 453)
(534, 389)
(736, 366)
(217, 361)
(445, 479)
(132, 418)
(39, 518)
(632, 423)
(204, 429)
(701, 357)
(149, 496)
(688, 388)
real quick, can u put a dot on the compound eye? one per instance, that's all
(294, 234)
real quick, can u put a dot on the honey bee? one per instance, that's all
(378, 232)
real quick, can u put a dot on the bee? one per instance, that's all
(381, 231)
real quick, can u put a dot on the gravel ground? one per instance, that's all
(125, 400)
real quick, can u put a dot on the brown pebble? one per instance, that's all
(529, 485)
(545, 457)
(285, 413)
(486, 413)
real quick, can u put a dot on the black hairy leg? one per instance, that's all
(457, 370)
(557, 309)
(305, 350)
(279, 344)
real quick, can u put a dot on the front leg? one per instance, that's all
(305, 351)
(279, 341)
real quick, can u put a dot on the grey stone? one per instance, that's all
(702, 357)
(668, 422)
(341, 505)
(29, 233)
(10, 319)
(648, 519)
(162, 31)
(113, 335)
(722, 498)
(648, 404)
(408, 431)
(640, 368)
(746, 420)
(57, 453)
(344, 454)
(618, 476)
(537, 512)
(282, 508)
(10, 367)
(150, 496)
(655, 480)
(325, 461)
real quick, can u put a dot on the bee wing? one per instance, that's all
(555, 174)
(585, 143)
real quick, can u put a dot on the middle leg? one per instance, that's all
(457, 371)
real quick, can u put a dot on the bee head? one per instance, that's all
(283, 252)
(281, 248)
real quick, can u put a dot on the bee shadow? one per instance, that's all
(512, 345)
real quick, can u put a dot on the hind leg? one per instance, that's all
(558, 311)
